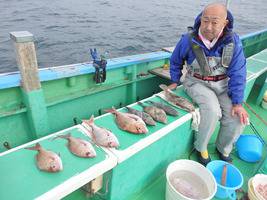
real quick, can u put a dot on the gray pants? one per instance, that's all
(215, 105)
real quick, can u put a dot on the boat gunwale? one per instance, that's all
(12, 79)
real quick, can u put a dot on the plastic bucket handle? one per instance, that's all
(231, 194)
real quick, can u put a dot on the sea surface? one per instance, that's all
(65, 30)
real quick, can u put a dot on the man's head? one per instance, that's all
(213, 20)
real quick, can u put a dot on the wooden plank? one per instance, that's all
(26, 59)
(161, 72)
(168, 49)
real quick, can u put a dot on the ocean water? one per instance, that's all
(65, 30)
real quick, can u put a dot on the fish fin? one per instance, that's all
(37, 147)
(83, 143)
(67, 136)
(91, 120)
(85, 121)
(163, 87)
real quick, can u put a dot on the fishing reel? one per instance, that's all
(100, 64)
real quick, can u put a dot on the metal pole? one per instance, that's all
(227, 3)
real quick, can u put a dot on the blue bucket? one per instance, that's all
(249, 148)
(234, 179)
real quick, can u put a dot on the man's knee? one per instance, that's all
(229, 120)
(211, 110)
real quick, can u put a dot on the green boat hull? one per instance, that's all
(63, 101)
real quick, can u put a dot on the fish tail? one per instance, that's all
(112, 110)
(37, 147)
(164, 87)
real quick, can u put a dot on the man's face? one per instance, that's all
(212, 22)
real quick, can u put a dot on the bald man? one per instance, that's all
(215, 79)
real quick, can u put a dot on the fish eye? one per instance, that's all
(87, 154)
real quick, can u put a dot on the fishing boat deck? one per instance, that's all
(136, 165)
(139, 164)
(156, 190)
(256, 64)
(19, 173)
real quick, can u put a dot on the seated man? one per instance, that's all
(215, 79)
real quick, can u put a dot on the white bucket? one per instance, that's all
(195, 169)
(257, 180)
(251, 193)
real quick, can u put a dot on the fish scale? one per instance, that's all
(179, 101)
(146, 117)
(168, 109)
(79, 147)
(129, 122)
(101, 136)
(156, 113)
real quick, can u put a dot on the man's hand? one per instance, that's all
(172, 86)
(241, 113)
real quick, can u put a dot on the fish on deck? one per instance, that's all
(47, 160)
(129, 122)
(156, 113)
(168, 109)
(79, 147)
(179, 101)
(145, 117)
(101, 136)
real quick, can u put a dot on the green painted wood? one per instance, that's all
(262, 56)
(127, 139)
(262, 90)
(23, 180)
(76, 97)
(255, 66)
(37, 113)
(132, 175)
(254, 44)
(156, 189)
(144, 166)
(11, 102)
(19, 124)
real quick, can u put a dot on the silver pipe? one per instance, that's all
(227, 4)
